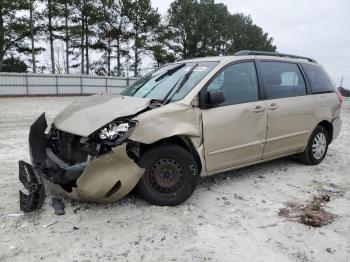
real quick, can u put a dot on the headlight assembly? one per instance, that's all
(113, 130)
(113, 133)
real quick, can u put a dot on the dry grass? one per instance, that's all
(311, 213)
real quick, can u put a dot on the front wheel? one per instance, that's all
(317, 147)
(170, 177)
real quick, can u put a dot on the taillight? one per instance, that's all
(340, 97)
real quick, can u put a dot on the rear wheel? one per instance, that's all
(317, 147)
(170, 177)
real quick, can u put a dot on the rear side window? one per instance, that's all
(318, 79)
(282, 80)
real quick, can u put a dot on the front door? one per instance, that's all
(234, 131)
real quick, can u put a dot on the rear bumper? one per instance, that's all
(337, 123)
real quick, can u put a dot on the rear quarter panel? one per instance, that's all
(327, 106)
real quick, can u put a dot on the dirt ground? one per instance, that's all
(230, 217)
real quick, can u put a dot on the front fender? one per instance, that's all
(167, 121)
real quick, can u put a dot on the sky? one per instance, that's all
(315, 28)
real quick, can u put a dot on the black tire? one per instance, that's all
(177, 179)
(308, 156)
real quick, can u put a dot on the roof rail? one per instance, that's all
(252, 52)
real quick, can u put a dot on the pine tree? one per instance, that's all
(66, 14)
(205, 28)
(183, 25)
(85, 17)
(35, 29)
(161, 48)
(113, 33)
(31, 24)
(14, 64)
(63, 28)
(50, 8)
(13, 29)
(144, 20)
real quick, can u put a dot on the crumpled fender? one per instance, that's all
(174, 119)
(166, 121)
(109, 177)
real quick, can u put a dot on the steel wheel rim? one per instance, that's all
(319, 145)
(166, 175)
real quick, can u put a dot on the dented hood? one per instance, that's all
(85, 117)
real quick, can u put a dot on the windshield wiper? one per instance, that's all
(167, 98)
(170, 71)
(167, 73)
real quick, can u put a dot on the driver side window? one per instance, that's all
(238, 83)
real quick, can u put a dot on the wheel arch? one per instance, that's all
(329, 127)
(183, 141)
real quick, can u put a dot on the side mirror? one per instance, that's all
(215, 97)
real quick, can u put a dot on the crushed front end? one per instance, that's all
(93, 168)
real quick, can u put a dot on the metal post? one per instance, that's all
(56, 81)
(27, 88)
(127, 78)
(81, 85)
(106, 84)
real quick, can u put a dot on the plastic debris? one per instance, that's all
(50, 224)
(15, 215)
(238, 197)
(330, 189)
(58, 205)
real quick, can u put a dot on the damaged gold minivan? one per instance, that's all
(186, 120)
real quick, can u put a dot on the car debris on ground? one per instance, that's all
(58, 206)
(34, 184)
(15, 215)
(49, 224)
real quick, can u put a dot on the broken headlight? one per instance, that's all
(113, 130)
(112, 134)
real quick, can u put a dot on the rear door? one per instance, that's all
(290, 110)
(234, 131)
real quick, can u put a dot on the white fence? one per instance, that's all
(17, 84)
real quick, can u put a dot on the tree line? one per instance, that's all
(106, 37)
(344, 92)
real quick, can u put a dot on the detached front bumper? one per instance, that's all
(104, 179)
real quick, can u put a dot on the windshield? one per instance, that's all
(170, 82)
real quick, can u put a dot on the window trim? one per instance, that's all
(308, 86)
(204, 90)
(259, 67)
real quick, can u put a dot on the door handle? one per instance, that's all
(273, 106)
(258, 109)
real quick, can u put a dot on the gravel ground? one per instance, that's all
(230, 217)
